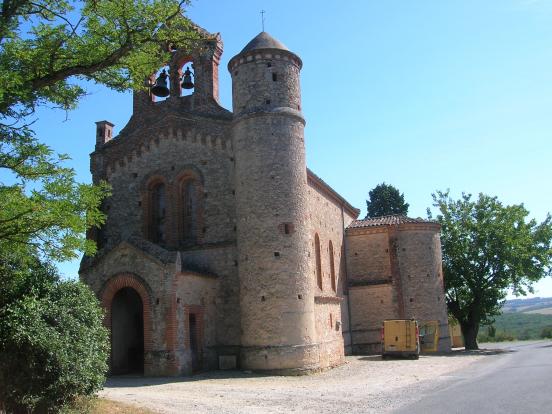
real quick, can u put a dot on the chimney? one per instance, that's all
(104, 133)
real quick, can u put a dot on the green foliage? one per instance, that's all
(546, 332)
(44, 206)
(517, 326)
(53, 346)
(48, 45)
(488, 248)
(48, 48)
(385, 200)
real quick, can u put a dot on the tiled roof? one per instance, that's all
(264, 41)
(390, 220)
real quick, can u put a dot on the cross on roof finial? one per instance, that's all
(262, 18)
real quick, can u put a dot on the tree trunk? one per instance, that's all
(470, 330)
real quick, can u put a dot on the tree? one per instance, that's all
(488, 249)
(384, 200)
(53, 345)
(48, 50)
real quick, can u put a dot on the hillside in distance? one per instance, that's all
(531, 305)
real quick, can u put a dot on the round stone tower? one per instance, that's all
(276, 292)
(419, 258)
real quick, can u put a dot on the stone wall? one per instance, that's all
(166, 155)
(276, 297)
(368, 258)
(328, 217)
(370, 306)
(394, 273)
(328, 331)
(196, 144)
(154, 278)
(195, 294)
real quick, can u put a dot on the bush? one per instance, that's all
(546, 332)
(53, 346)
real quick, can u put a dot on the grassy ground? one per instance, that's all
(103, 406)
(516, 325)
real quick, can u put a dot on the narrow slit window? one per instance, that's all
(158, 214)
(332, 266)
(318, 261)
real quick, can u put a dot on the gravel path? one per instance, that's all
(363, 385)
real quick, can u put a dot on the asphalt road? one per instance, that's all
(516, 381)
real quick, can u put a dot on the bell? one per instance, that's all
(160, 88)
(187, 79)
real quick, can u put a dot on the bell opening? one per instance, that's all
(160, 85)
(187, 79)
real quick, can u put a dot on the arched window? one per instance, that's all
(158, 213)
(318, 261)
(332, 266)
(189, 193)
(189, 208)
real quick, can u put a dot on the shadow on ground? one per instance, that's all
(454, 353)
(123, 381)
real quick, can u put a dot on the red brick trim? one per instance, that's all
(124, 280)
(181, 181)
(382, 228)
(176, 67)
(436, 227)
(147, 206)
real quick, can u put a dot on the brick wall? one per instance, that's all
(370, 306)
(368, 256)
(419, 258)
(328, 219)
(395, 272)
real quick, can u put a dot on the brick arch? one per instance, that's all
(152, 180)
(177, 66)
(185, 177)
(128, 280)
(190, 171)
(149, 185)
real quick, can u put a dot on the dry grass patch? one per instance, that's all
(104, 406)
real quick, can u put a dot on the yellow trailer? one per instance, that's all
(400, 337)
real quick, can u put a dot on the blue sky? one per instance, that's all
(424, 95)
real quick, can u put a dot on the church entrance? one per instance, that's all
(127, 333)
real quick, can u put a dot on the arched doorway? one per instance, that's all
(127, 333)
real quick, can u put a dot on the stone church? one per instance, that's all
(222, 250)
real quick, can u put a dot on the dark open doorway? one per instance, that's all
(127, 333)
(194, 342)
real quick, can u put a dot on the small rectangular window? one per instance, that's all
(274, 77)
